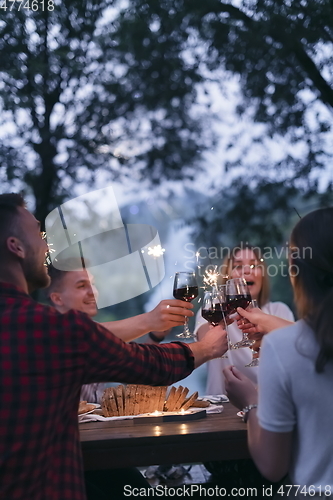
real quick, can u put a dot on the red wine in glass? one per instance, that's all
(187, 293)
(214, 308)
(239, 300)
(213, 315)
(238, 295)
(185, 288)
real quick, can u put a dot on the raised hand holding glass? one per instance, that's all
(185, 288)
(238, 295)
(214, 308)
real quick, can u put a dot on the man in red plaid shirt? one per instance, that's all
(45, 359)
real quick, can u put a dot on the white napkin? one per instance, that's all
(215, 398)
(214, 409)
(93, 417)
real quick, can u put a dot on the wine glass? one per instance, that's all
(255, 352)
(214, 308)
(238, 295)
(225, 308)
(185, 288)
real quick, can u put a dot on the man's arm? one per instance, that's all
(213, 345)
(166, 315)
(107, 357)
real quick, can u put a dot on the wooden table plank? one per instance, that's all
(216, 437)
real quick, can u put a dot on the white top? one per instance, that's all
(294, 397)
(237, 357)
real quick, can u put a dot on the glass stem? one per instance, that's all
(225, 355)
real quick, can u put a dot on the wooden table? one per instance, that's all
(108, 445)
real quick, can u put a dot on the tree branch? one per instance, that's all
(290, 42)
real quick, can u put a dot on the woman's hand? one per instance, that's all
(239, 389)
(250, 320)
(255, 332)
(259, 322)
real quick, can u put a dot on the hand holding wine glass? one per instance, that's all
(257, 323)
(214, 308)
(185, 288)
(238, 295)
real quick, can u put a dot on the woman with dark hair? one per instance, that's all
(242, 261)
(291, 431)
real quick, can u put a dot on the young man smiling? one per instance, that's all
(76, 290)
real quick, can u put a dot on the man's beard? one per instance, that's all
(35, 273)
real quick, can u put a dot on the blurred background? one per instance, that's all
(211, 120)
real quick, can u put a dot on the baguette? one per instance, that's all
(186, 405)
(139, 399)
(170, 399)
(181, 399)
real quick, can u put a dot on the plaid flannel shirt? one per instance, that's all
(45, 358)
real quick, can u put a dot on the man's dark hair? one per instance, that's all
(9, 204)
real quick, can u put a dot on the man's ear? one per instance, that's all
(56, 299)
(16, 247)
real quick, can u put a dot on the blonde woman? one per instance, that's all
(243, 261)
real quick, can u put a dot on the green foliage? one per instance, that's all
(75, 93)
(281, 52)
(92, 77)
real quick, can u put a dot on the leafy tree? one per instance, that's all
(280, 49)
(89, 76)
(280, 52)
(70, 96)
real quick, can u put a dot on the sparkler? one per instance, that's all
(156, 251)
(210, 277)
(48, 260)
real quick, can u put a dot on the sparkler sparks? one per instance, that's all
(156, 251)
(210, 277)
(44, 237)
(48, 260)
